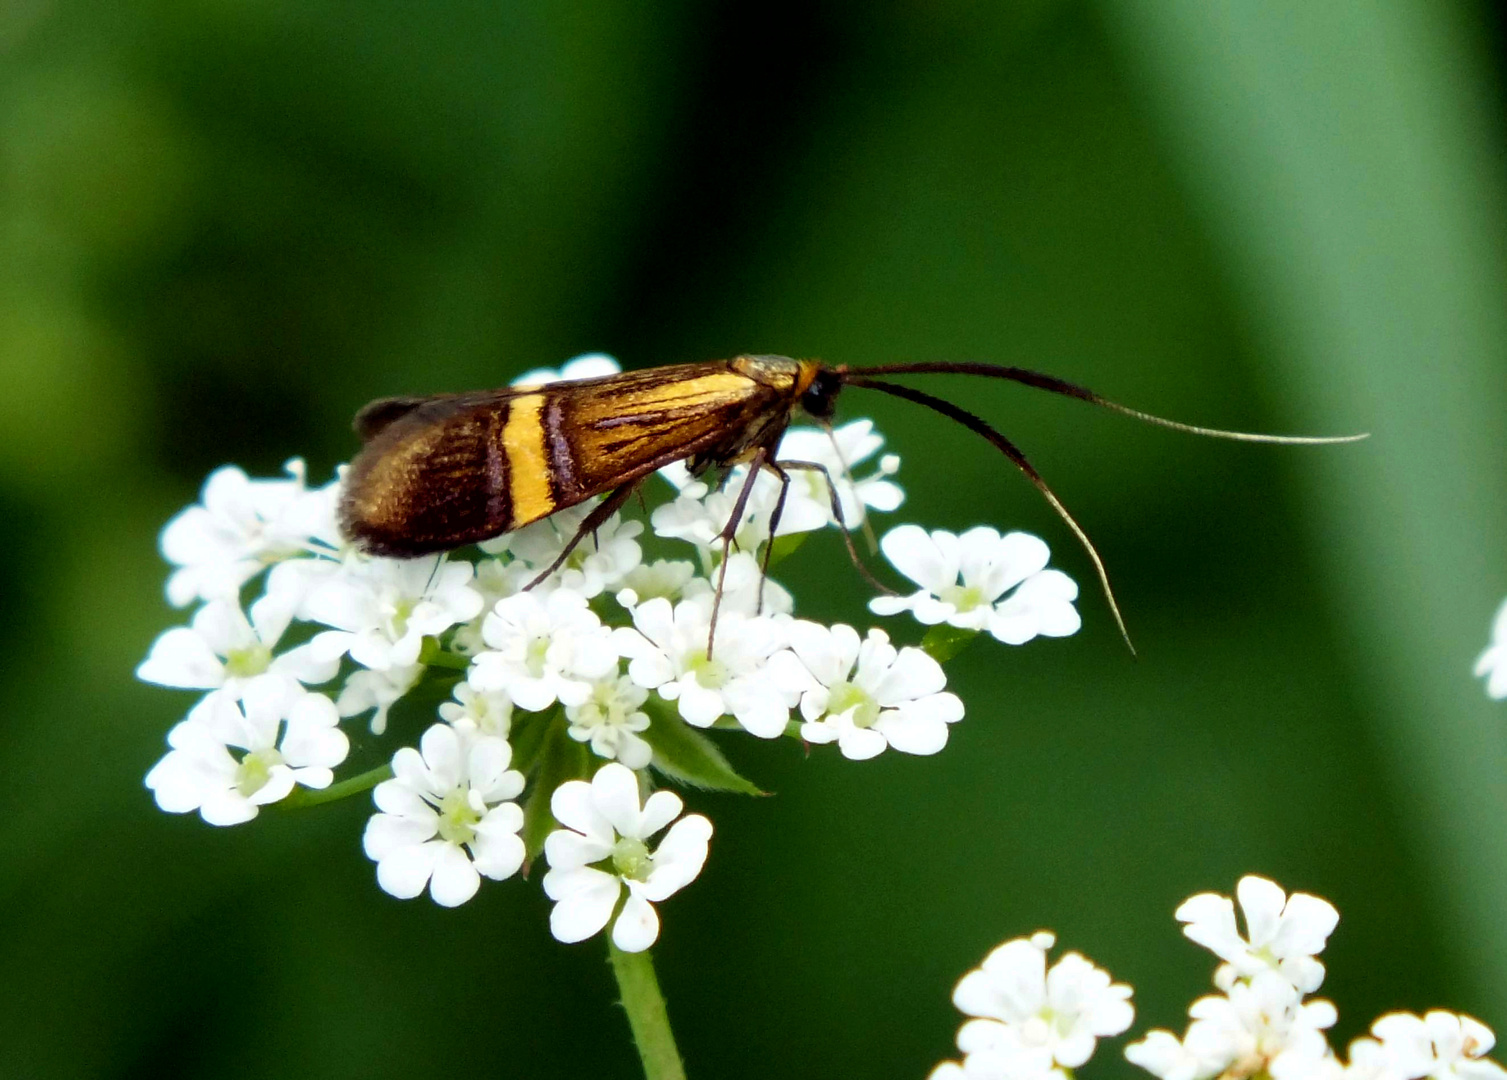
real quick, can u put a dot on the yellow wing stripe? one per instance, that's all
(528, 463)
(690, 393)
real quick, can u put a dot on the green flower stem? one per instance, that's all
(647, 1018)
(301, 797)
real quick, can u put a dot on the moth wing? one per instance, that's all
(432, 475)
(437, 473)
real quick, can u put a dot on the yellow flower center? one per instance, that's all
(457, 818)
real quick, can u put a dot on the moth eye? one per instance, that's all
(820, 398)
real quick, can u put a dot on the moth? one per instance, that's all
(440, 472)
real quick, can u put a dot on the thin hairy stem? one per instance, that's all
(647, 1017)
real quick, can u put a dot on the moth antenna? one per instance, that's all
(1011, 451)
(1054, 385)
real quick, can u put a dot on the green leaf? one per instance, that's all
(786, 546)
(527, 737)
(688, 757)
(561, 758)
(943, 642)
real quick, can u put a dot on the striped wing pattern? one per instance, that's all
(441, 472)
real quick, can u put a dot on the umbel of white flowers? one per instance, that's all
(1029, 1021)
(572, 701)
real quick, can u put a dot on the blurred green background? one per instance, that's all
(227, 224)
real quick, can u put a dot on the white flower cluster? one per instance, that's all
(1032, 1022)
(1263, 1023)
(579, 685)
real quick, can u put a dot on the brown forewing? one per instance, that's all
(604, 435)
(437, 474)
(434, 477)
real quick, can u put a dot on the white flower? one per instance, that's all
(599, 562)
(292, 581)
(864, 694)
(745, 589)
(1440, 1045)
(239, 527)
(1261, 1025)
(610, 720)
(543, 649)
(495, 579)
(604, 846)
(1031, 1019)
(222, 649)
(383, 609)
(1492, 664)
(1369, 1060)
(379, 690)
(809, 504)
(1162, 1054)
(668, 653)
(284, 738)
(662, 577)
(446, 819)
(585, 366)
(478, 711)
(989, 566)
(1283, 934)
(699, 515)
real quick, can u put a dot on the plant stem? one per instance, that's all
(647, 1018)
(301, 797)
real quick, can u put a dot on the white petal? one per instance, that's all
(698, 705)
(584, 900)
(912, 731)
(182, 658)
(860, 744)
(568, 850)
(498, 850)
(454, 880)
(1210, 922)
(226, 808)
(917, 555)
(1307, 922)
(386, 833)
(637, 925)
(679, 858)
(572, 806)
(660, 809)
(913, 674)
(1261, 903)
(405, 871)
(614, 793)
(441, 748)
(757, 705)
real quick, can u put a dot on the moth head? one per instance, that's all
(819, 400)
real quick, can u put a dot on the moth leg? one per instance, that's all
(757, 462)
(594, 520)
(774, 526)
(837, 515)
